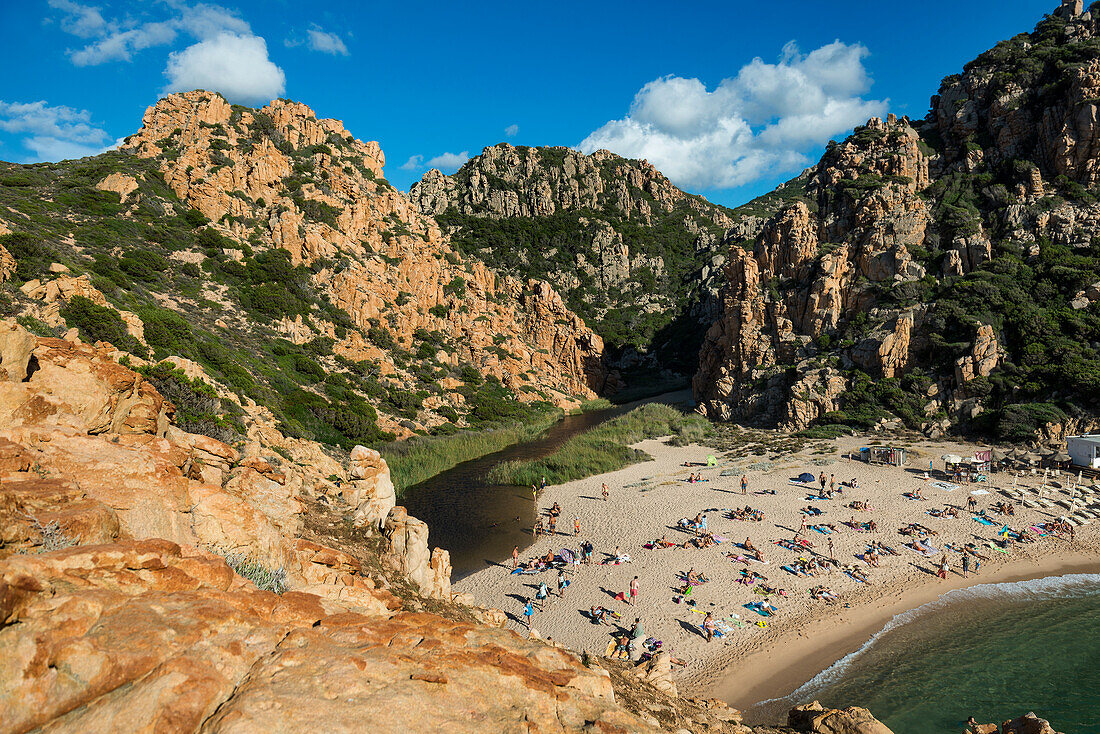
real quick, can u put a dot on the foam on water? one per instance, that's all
(1069, 586)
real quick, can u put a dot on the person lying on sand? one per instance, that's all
(860, 506)
(822, 593)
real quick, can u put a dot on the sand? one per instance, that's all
(804, 636)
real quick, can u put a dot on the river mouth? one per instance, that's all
(479, 522)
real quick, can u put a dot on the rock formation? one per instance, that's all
(629, 251)
(816, 719)
(281, 177)
(901, 274)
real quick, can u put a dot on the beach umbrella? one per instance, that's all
(806, 477)
(566, 555)
(998, 455)
(1061, 457)
(1031, 457)
(951, 459)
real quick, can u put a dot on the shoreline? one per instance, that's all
(804, 636)
(796, 657)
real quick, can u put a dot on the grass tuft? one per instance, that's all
(265, 579)
(418, 459)
(606, 447)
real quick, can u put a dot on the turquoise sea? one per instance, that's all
(991, 651)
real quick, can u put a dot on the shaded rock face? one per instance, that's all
(896, 263)
(281, 177)
(627, 249)
(148, 636)
(810, 271)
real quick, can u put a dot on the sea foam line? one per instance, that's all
(1069, 586)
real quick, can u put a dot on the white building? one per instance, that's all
(1084, 450)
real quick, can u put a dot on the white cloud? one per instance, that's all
(53, 133)
(511, 131)
(235, 65)
(448, 162)
(119, 40)
(761, 122)
(325, 42)
(79, 20)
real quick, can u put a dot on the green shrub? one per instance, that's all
(100, 323)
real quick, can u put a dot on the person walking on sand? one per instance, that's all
(515, 557)
(744, 484)
(802, 528)
(942, 572)
(604, 491)
(971, 504)
(576, 526)
(708, 627)
(634, 591)
(528, 612)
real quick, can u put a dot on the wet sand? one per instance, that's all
(804, 636)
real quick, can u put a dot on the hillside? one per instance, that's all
(632, 254)
(266, 255)
(940, 273)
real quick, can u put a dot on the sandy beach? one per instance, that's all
(804, 635)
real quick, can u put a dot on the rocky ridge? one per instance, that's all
(634, 255)
(921, 279)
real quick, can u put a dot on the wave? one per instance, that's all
(1069, 586)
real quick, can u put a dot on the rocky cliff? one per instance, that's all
(935, 273)
(635, 256)
(157, 580)
(266, 247)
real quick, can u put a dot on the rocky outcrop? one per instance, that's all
(615, 237)
(904, 260)
(813, 718)
(7, 262)
(372, 493)
(406, 552)
(798, 285)
(149, 636)
(281, 177)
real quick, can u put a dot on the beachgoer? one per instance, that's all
(822, 480)
(708, 627)
(553, 523)
(528, 612)
(604, 491)
(634, 591)
(562, 582)
(542, 593)
(515, 557)
(802, 528)
(966, 566)
(744, 484)
(543, 481)
(832, 556)
(576, 526)
(637, 635)
(832, 483)
(942, 572)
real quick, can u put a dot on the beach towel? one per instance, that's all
(994, 546)
(979, 492)
(983, 520)
(621, 596)
(854, 577)
(525, 571)
(945, 486)
(720, 538)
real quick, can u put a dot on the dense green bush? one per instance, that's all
(100, 323)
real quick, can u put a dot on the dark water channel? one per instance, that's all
(478, 522)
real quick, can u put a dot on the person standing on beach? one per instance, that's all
(832, 483)
(822, 480)
(942, 572)
(708, 627)
(562, 582)
(576, 526)
(604, 491)
(972, 504)
(543, 481)
(802, 528)
(634, 591)
(744, 484)
(515, 557)
(966, 566)
(832, 556)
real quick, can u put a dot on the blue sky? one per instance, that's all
(434, 82)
